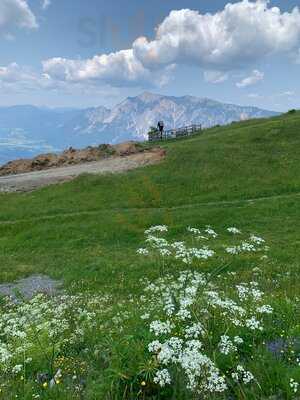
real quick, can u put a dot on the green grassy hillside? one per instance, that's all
(86, 233)
(206, 179)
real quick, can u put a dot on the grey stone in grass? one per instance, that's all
(27, 288)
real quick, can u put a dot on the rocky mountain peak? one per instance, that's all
(29, 131)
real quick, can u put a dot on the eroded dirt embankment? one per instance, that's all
(69, 157)
(124, 159)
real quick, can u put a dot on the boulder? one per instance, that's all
(127, 148)
(16, 167)
(44, 161)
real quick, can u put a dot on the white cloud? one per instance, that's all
(231, 39)
(254, 96)
(46, 4)
(16, 78)
(255, 77)
(215, 76)
(13, 72)
(118, 69)
(16, 14)
(288, 93)
(121, 65)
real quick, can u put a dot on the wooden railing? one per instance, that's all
(175, 133)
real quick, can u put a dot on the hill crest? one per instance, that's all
(26, 131)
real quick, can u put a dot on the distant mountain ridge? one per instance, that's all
(26, 131)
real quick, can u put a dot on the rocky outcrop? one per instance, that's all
(70, 156)
(127, 148)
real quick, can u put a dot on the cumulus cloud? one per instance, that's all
(255, 77)
(13, 72)
(121, 64)
(233, 38)
(46, 4)
(215, 76)
(17, 79)
(118, 69)
(16, 14)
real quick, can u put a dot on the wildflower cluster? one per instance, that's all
(195, 325)
(204, 333)
(254, 244)
(241, 375)
(190, 332)
(43, 327)
(186, 253)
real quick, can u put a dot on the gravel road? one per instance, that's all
(33, 180)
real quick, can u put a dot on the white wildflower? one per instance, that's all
(194, 331)
(234, 230)
(216, 382)
(242, 375)
(226, 346)
(253, 324)
(156, 242)
(294, 385)
(238, 340)
(154, 346)
(211, 232)
(17, 368)
(201, 237)
(265, 309)
(247, 247)
(156, 228)
(234, 250)
(164, 252)
(257, 239)
(143, 252)
(194, 230)
(160, 328)
(162, 378)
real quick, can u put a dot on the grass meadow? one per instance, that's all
(216, 317)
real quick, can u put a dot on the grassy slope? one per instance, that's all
(86, 231)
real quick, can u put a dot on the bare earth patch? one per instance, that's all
(27, 288)
(33, 180)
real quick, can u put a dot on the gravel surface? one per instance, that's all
(37, 179)
(29, 287)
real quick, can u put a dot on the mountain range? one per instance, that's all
(26, 131)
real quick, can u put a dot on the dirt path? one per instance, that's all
(37, 179)
(237, 203)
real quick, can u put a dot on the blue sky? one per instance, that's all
(56, 52)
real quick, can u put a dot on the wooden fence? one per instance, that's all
(175, 133)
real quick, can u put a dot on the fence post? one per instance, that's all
(174, 133)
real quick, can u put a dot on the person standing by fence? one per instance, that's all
(160, 127)
(160, 133)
